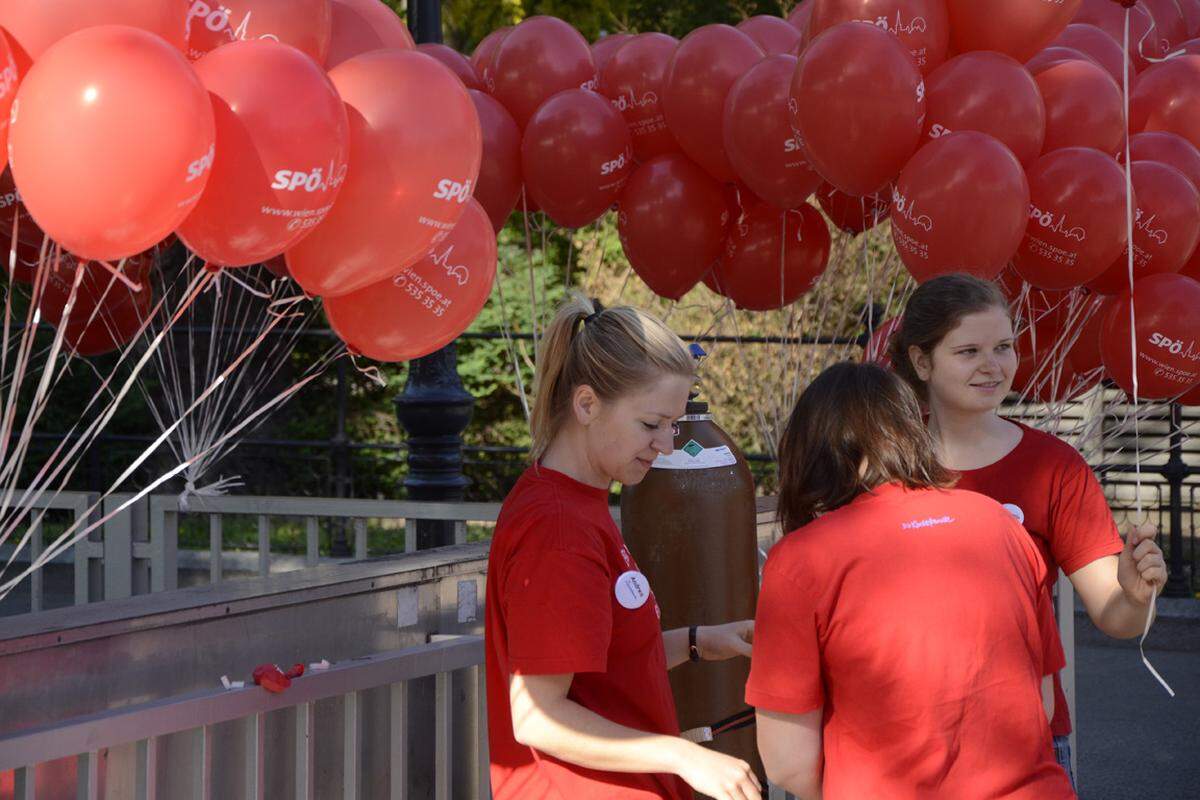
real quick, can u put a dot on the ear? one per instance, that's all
(922, 362)
(585, 404)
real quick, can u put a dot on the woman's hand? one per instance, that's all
(1141, 569)
(717, 775)
(719, 642)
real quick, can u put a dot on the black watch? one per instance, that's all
(693, 650)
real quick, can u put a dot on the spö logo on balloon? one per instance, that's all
(909, 211)
(310, 181)
(915, 25)
(609, 167)
(626, 101)
(938, 130)
(1146, 226)
(456, 271)
(1173, 346)
(452, 190)
(197, 167)
(1056, 224)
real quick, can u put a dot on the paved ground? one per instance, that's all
(1134, 740)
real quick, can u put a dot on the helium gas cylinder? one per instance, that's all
(690, 525)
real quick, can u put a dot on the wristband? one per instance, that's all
(693, 650)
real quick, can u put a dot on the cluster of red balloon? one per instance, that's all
(252, 129)
(998, 130)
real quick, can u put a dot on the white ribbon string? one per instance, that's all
(1133, 356)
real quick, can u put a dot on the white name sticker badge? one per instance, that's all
(1016, 511)
(632, 589)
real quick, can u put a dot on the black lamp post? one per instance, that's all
(434, 408)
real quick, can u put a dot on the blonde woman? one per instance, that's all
(579, 705)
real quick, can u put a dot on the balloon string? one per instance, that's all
(1137, 442)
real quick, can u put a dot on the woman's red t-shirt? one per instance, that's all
(1052, 491)
(916, 621)
(559, 600)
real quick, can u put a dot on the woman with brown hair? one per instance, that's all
(955, 347)
(902, 633)
(579, 706)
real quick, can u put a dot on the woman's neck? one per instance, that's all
(970, 439)
(567, 454)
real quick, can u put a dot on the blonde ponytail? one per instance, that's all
(613, 350)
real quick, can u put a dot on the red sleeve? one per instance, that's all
(1082, 528)
(785, 672)
(557, 605)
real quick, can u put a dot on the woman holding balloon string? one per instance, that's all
(955, 346)
(579, 705)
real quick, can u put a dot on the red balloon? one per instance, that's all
(455, 61)
(304, 24)
(960, 206)
(1018, 28)
(33, 26)
(275, 175)
(758, 135)
(575, 157)
(990, 93)
(277, 266)
(1097, 45)
(1192, 267)
(852, 214)
(540, 58)
(1110, 18)
(1191, 16)
(799, 16)
(1077, 218)
(703, 69)
(921, 25)
(1191, 398)
(145, 158)
(1055, 55)
(634, 80)
(1084, 107)
(484, 56)
(879, 346)
(1084, 353)
(499, 187)
(427, 304)
(1166, 227)
(1166, 337)
(773, 34)
(106, 314)
(1167, 148)
(1170, 28)
(773, 257)
(360, 26)
(605, 47)
(8, 93)
(28, 245)
(1191, 47)
(414, 156)
(672, 220)
(1167, 98)
(859, 119)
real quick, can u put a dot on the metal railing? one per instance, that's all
(84, 553)
(165, 511)
(197, 715)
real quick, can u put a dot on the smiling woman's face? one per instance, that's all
(624, 436)
(972, 368)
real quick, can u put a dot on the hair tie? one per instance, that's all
(599, 309)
